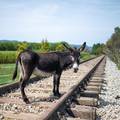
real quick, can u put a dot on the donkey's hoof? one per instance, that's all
(26, 101)
(57, 94)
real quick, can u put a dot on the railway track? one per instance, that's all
(80, 93)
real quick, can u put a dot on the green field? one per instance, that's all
(86, 56)
(6, 71)
(7, 57)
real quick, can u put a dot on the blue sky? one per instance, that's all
(74, 21)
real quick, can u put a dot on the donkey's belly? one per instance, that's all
(41, 73)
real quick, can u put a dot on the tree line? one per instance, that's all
(43, 46)
(98, 49)
(9, 50)
(113, 46)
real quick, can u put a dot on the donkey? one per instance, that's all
(43, 64)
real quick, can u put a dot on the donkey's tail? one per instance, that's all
(16, 67)
(15, 71)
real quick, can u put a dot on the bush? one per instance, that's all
(98, 49)
(86, 55)
(59, 47)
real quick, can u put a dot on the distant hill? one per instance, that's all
(78, 46)
(9, 41)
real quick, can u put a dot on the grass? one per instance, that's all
(6, 72)
(7, 57)
(86, 56)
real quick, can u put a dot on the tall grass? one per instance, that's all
(6, 71)
(86, 55)
(7, 57)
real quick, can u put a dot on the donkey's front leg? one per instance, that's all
(56, 83)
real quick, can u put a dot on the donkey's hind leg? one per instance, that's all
(22, 86)
(27, 71)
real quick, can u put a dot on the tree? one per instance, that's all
(59, 47)
(113, 46)
(53, 47)
(98, 49)
(8, 45)
(45, 46)
(21, 46)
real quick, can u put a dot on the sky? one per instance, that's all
(73, 21)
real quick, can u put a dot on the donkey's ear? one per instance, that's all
(82, 47)
(67, 46)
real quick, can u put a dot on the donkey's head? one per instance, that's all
(75, 55)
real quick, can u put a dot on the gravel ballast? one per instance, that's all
(109, 108)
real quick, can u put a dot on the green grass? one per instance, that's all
(86, 56)
(7, 57)
(6, 72)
